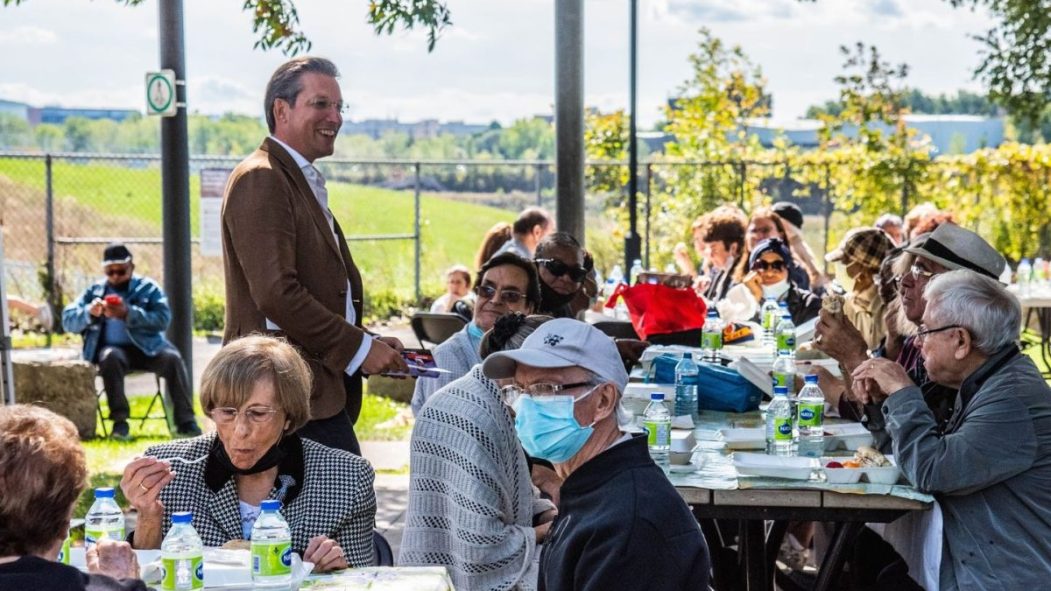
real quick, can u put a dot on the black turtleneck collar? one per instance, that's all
(600, 469)
(218, 472)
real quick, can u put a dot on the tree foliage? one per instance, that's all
(276, 22)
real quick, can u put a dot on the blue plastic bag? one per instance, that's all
(719, 388)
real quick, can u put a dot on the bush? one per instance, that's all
(209, 308)
(385, 304)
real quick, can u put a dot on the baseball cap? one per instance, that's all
(789, 212)
(563, 342)
(116, 254)
(954, 247)
(866, 246)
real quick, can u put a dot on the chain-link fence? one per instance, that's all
(407, 221)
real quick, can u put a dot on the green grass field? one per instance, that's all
(101, 200)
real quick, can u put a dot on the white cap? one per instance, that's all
(562, 342)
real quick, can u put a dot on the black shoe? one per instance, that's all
(188, 429)
(120, 431)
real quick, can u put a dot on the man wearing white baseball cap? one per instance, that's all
(621, 525)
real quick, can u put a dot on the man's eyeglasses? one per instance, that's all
(762, 265)
(918, 273)
(507, 296)
(116, 271)
(255, 414)
(325, 104)
(558, 269)
(922, 333)
(511, 394)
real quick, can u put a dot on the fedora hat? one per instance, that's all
(954, 247)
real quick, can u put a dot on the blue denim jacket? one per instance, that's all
(148, 317)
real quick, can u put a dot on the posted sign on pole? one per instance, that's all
(213, 183)
(160, 93)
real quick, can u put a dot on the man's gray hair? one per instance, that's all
(980, 304)
(286, 82)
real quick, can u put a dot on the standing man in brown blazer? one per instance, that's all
(288, 269)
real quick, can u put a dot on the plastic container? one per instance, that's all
(712, 337)
(104, 519)
(768, 316)
(656, 419)
(271, 548)
(785, 335)
(779, 428)
(687, 375)
(810, 418)
(182, 555)
(784, 372)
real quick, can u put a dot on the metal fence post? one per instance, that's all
(416, 228)
(905, 189)
(539, 195)
(827, 209)
(649, 186)
(53, 297)
(741, 171)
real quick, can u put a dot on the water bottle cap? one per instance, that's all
(713, 313)
(104, 492)
(786, 314)
(784, 353)
(810, 379)
(687, 355)
(182, 517)
(782, 304)
(657, 396)
(781, 390)
(271, 505)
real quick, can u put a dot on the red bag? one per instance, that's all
(659, 309)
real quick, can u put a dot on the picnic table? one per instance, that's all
(1037, 301)
(714, 490)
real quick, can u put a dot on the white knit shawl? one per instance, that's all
(470, 495)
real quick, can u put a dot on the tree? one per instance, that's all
(276, 22)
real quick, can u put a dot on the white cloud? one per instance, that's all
(27, 35)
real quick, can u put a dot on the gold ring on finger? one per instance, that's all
(144, 487)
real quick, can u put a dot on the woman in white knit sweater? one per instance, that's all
(471, 501)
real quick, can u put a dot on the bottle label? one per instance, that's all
(785, 379)
(811, 414)
(92, 536)
(271, 558)
(63, 554)
(712, 340)
(782, 428)
(786, 341)
(770, 319)
(659, 433)
(184, 573)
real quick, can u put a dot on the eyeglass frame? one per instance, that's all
(922, 333)
(491, 293)
(322, 104)
(761, 265)
(917, 272)
(576, 274)
(512, 392)
(257, 414)
(113, 272)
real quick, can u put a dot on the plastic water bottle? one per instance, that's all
(104, 519)
(657, 421)
(785, 336)
(712, 336)
(271, 548)
(810, 418)
(769, 315)
(182, 555)
(1005, 277)
(616, 275)
(784, 371)
(1039, 273)
(779, 418)
(1025, 276)
(687, 374)
(633, 274)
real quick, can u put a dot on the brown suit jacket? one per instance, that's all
(282, 263)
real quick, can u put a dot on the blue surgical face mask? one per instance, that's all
(474, 331)
(547, 428)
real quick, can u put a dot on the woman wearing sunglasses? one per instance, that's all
(257, 391)
(768, 277)
(566, 277)
(506, 283)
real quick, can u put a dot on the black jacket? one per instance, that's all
(32, 572)
(621, 525)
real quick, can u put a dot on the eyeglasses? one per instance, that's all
(117, 271)
(325, 104)
(507, 296)
(918, 273)
(255, 414)
(558, 269)
(762, 265)
(511, 394)
(922, 333)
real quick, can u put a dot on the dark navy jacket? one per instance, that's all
(621, 525)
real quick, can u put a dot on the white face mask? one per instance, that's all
(776, 290)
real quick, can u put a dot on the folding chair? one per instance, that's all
(383, 555)
(158, 399)
(436, 328)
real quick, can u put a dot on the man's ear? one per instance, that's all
(607, 401)
(964, 344)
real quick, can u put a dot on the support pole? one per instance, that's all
(632, 241)
(569, 116)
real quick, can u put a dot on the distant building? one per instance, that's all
(20, 110)
(428, 128)
(58, 115)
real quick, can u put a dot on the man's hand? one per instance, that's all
(393, 342)
(888, 375)
(383, 358)
(541, 532)
(119, 311)
(547, 481)
(836, 337)
(325, 554)
(831, 386)
(96, 307)
(112, 558)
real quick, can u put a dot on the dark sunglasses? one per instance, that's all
(762, 265)
(558, 269)
(116, 272)
(506, 296)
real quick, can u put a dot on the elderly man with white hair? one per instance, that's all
(990, 468)
(620, 523)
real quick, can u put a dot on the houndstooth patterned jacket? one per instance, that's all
(336, 498)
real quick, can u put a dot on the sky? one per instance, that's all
(495, 63)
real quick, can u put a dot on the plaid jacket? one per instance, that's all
(336, 498)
